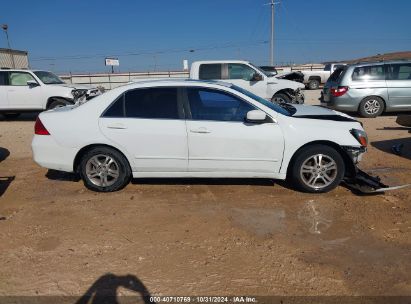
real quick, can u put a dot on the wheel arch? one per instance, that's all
(82, 151)
(315, 78)
(52, 98)
(288, 91)
(350, 168)
(373, 96)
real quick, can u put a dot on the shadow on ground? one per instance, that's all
(21, 117)
(105, 290)
(403, 146)
(5, 181)
(62, 176)
(204, 181)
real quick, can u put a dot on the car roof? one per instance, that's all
(220, 61)
(369, 63)
(175, 82)
(21, 70)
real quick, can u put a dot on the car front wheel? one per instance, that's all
(317, 169)
(104, 170)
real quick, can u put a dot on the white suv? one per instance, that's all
(26, 91)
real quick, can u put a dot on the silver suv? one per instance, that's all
(370, 88)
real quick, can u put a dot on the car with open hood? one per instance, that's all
(193, 129)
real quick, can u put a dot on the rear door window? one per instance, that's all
(152, 103)
(400, 71)
(369, 73)
(210, 71)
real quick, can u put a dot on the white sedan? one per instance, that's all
(191, 129)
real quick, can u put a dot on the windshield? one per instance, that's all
(268, 74)
(285, 109)
(48, 78)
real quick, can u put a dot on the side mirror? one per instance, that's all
(32, 83)
(257, 77)
(257, 116)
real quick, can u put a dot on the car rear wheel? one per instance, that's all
(104, 170)
(371, 107)
(313, 84)
(317, 169)
(281, 98)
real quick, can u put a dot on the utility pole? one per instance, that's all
(272, 3)
(5, 27)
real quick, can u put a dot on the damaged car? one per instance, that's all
(31, 90)
(198, 129)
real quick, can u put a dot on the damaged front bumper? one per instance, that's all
(361, 181)
(298, 97)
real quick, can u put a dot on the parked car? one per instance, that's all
(193, 129)
(370, 89)
(251, 78)
(26, 91)
(313, 79)
(293, 76)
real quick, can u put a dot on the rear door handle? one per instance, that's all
(116, 126)
(202, 130)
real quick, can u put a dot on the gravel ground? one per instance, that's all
(203, 237)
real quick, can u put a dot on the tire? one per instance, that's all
(57, 103)
(96, 165)
(307, 176)
(11, 115)
(371, 107)
(280, 98)
(313, 84)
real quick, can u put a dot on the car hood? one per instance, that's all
(74, 86)
(286, 83)
(318, 112)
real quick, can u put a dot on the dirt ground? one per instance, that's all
(203, 237)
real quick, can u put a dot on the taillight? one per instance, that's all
(39, 128)
(340, 91)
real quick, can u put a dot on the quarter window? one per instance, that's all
(3, 78)
(240, 71)
(210, 71)
(154, 103)
(366, 73)
(20, 78)
(399, 71)
(207, 104)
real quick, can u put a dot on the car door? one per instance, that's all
(242, 75)
(149, 124)
(4, 103)
(220, 141)
(398, 78)
(21, 95)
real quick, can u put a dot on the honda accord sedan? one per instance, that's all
(196, 129)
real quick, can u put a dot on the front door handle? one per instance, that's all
(202, 130)
(116, 126)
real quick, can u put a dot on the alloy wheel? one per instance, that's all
(102, 170)
(318, 171)
(372, 107)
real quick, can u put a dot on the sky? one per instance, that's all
(157, 35)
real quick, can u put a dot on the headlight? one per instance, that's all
(78, 93)
(361, 136)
